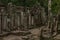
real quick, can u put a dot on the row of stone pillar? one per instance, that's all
(14, 20)
(10, 21)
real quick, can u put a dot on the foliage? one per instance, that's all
(29, 3)
(25, 2)
(44, 3)
(55, 6)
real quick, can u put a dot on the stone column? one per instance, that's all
(5, 23)
(8, 23)
(29, 19)
(2, 18)
(32, 20)
(0, 24)
(22, 17)
(12, 20)
(18, 20)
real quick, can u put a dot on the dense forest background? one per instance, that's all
(55, 4)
